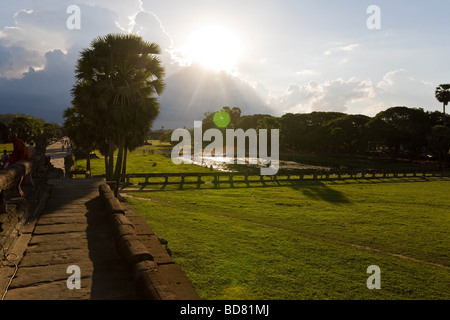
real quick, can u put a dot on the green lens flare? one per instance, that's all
(222, 119)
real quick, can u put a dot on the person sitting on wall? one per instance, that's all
(20, 151)
(4, 160)
(31, 148)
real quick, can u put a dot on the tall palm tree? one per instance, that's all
(117, 80)
(443, 95)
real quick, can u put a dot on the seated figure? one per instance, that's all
(20, 152)
(4, 160)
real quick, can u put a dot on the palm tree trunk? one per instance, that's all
(119, 159)
(109, 170)
(443, 120)
(124, 164)
(119, 164)
(106, 164)
(88, 165)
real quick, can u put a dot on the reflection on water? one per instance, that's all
(221, 164)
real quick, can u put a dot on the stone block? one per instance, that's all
(150, 285)
(132, 250)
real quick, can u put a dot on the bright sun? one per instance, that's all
(214, 47)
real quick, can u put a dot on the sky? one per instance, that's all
(264, 56)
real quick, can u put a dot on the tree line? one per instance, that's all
(396, 132)
(28, 128)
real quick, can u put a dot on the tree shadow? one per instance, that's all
(315, 189)
(110, 278)
(320, 191)
(312, 189)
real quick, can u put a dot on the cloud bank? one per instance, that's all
(38, 52)
(397, 88)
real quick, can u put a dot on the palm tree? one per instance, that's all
(443, 95)
(80, 132)
(117, 80)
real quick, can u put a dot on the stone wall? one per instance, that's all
(156, 276)
(23, 192)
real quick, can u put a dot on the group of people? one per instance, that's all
(20, 152)
(66, 144)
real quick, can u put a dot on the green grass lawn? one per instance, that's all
(154, 158)
(6, 146)
(312, 240)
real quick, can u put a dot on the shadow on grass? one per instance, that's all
(314, 189)
(320, 191)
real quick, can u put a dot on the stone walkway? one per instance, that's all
(73, 230)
